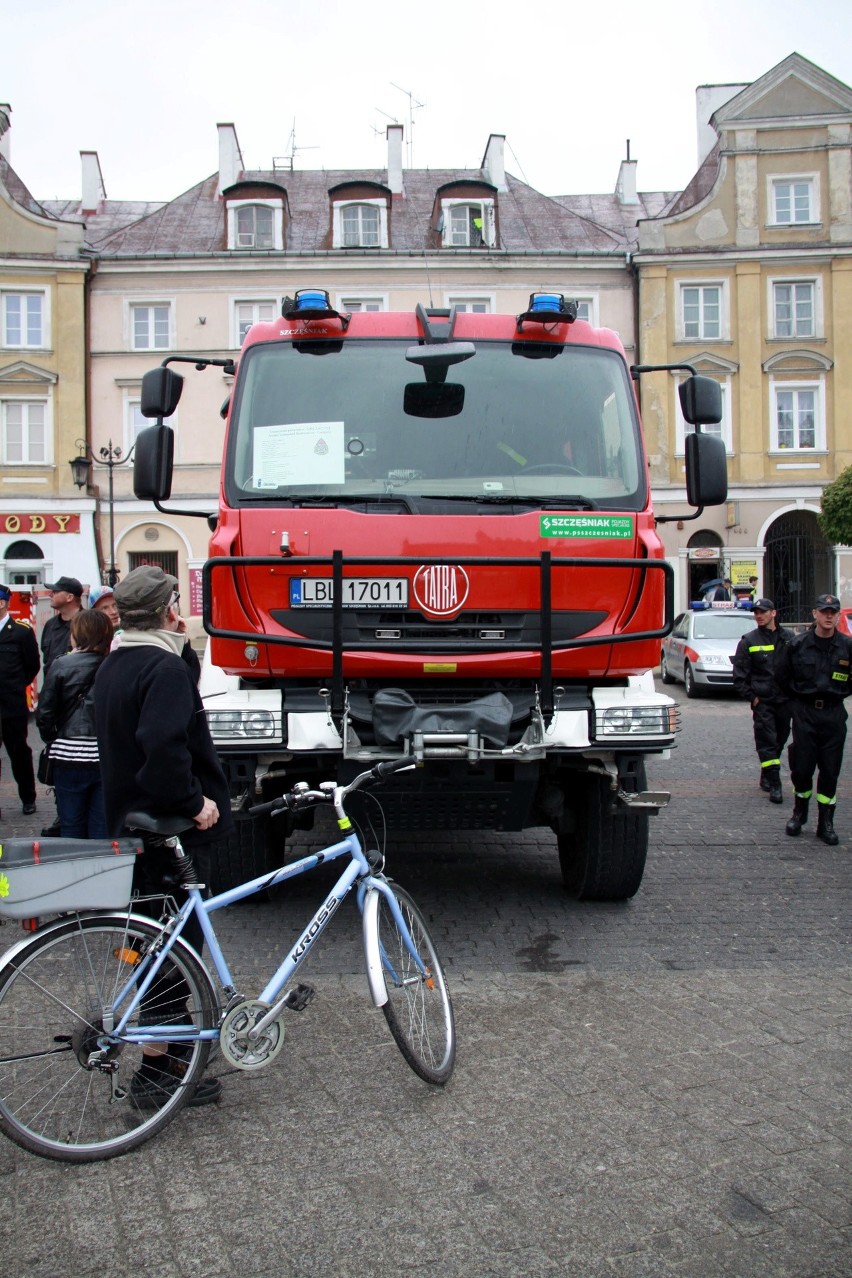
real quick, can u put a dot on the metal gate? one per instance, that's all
(798, 564)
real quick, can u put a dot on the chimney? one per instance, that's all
(625, 187)
(395, 158)
(230, 157)
(492, 161)
(708, 98)
(5, 126)
(94, 192)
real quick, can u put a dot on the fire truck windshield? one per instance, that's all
(333, 420)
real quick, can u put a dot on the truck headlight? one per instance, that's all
(637, 721)
(241, 725)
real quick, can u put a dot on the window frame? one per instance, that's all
(236, 301)
(725, 430)
(22, 292)
(45, 401)
(791, 281)
(701, 284)
(775, 180)
(797, 385)
(489, 221)
(234, 206)
(469, 300)
(337, 223)
(355, 304)
(134, 304)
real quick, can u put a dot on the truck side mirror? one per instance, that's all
(161, 391)
(706, 469)
(701, 400)
(153, 461)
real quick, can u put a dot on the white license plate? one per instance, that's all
(358, 592)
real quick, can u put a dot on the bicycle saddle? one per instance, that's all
(164, 825)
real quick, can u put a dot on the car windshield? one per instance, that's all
(355, 419)
(722, 625)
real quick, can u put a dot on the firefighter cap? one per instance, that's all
(763, 605)
(828, 601)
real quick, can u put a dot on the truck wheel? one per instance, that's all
(248, 851)
(603, 859)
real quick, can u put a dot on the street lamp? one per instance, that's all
(81, 465)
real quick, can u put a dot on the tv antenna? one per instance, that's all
(287, 161)
(413, 105)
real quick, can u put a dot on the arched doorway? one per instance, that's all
(798, 564)
(24, 564)
(705, 551)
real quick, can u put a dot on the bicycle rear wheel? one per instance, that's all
(55, 991)
(418, 1008)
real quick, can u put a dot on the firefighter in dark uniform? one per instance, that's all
(19, 664)
(815, 670)
(754, 679)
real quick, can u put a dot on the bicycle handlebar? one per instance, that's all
(296, 799)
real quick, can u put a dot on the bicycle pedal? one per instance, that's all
(298, 997)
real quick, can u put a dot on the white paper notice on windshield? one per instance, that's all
(298, 453)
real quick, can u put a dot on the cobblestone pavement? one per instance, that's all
(655, 1088)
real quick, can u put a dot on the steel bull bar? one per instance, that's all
(545, 563)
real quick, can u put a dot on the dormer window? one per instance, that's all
(255, 222)
(255, 226)
(361, 224)
(468, 224)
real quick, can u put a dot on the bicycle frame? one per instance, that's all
(358, 872)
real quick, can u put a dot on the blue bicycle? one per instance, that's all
(107, 1019)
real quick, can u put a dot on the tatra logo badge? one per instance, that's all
(441, 589)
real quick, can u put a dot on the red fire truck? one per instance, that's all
(435, 538)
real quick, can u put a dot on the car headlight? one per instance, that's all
(637, 721)
(714, 659)
(241, 724)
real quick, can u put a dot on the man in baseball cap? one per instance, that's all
(66, 586)
(754, 679)
(66, 602)
(816, 671)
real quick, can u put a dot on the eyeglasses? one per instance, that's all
(175, 600)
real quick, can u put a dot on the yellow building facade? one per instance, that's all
(47, 529)
(747, 277)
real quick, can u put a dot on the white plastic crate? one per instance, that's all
(55, 876)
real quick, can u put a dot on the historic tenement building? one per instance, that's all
(747, 276)
(192, 275)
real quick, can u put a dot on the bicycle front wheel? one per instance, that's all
(418, 1008)
(57, 993)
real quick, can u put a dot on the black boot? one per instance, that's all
(774, 777)
(799, 817)
(825, 824)
(764, 779)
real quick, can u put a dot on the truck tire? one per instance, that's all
(245, 853)
(603, 858)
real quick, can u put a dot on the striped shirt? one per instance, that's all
(76, 750)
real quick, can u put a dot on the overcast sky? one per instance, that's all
(145, 83)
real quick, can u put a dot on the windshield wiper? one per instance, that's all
(323, 500)
(572, 502)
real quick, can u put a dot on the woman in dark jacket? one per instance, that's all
(66, 721)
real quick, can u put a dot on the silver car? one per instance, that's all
(700, 650)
